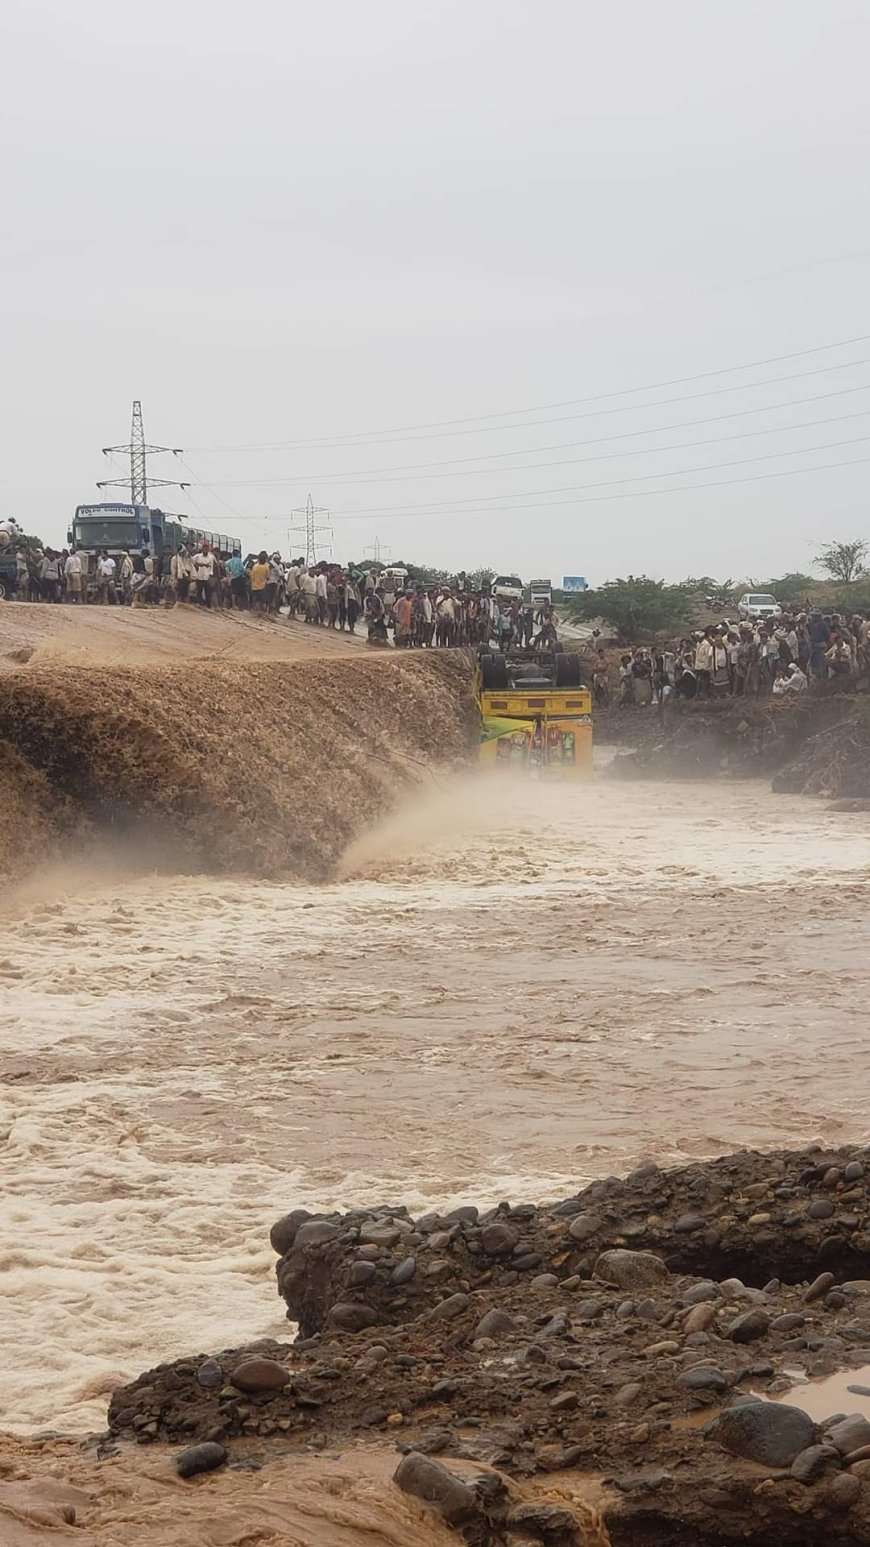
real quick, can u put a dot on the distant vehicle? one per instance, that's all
(507, 588)
(757, 605)
(395, 572)
(139, 529)
(540, 593)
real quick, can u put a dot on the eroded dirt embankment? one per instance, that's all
(263, 768)
(817, 744)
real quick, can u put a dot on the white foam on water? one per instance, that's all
(516, 988)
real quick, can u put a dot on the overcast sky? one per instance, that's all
(281, 223)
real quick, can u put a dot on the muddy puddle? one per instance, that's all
(510, 990)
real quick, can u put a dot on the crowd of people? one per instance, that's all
(324, 594)
(780, 657)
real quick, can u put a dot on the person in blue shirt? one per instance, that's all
(238, 578)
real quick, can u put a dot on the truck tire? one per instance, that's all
(4, 590)
(568, 671)
(493, 672)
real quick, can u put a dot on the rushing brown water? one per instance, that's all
(512, 988)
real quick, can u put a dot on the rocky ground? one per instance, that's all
(813, 745)
(635, 1333)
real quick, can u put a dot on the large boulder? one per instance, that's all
(773, 1433)
(631, 1270)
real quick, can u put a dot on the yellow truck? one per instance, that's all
(536, 713)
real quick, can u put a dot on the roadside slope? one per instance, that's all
(33, 634)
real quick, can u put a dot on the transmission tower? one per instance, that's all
(311, 529)
(139, 452)
(378, 550)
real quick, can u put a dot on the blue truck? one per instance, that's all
(139, 529)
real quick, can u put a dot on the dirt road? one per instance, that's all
(41, 633)
(513, 989)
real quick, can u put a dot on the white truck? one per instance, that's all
(540, 593)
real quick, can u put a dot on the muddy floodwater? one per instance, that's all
(511, 990)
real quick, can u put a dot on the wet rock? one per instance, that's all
(314, 1232)
(439, 1239)
(858, 1455)
(853, 1172)
(361, 1273)
(820, 1208)
(655, 1350)
(564, 1402)
(749, 1327)
(200, 1458)
(687, 1223)
(819, 1287)
(631, 1270)
(498, 1240)
(283, 1233)
(813, 1462)
(647, 1479)
(583, 1226)
(700, 1318)
(860, 1469)
(629, 1394)
(544, 1281)
(772, 1433)
(703, 1378)
(209, 1375)
(543, 1522)
(843, 1492)
(347, 1316)
(527, 1260)
(260, 1375)
(495, 1324)
(788, 1322)
(701, 1293)
(466, 1213)
(430, 1481)
(404, 1272)
(454, 1305)
(849, 1434)
(380, 1235)
(732, 1287)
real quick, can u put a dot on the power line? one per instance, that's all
(639, 451)
(711, 483)
(373, 474)
(444, 424)
(598, 413)
(680, 488)
(434, 508)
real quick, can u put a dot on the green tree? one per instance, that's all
(843, 561)
(637, 606)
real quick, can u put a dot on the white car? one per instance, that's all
(507, 588)
(757, 605)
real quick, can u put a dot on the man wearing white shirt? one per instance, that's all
(73, 572)
(105, 577)
(320, 593)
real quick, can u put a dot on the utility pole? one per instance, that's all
(311, 529)
(139, 452)
(378, 550)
